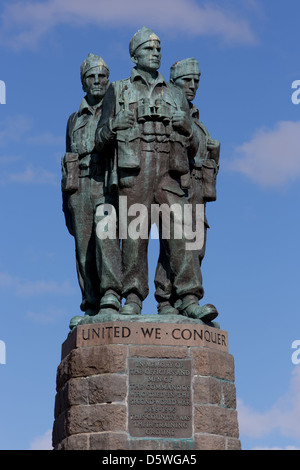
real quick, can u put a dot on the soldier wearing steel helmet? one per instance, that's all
(84, 187)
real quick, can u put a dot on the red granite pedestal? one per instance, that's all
(146, 386)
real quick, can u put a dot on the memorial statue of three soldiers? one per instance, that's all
(137, 153)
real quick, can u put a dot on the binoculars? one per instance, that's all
(158, 110)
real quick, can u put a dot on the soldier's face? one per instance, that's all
(95, 82)
(148, 56)
(189, 84)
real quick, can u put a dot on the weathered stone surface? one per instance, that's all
(207, 390)
(209, 442)
(92, 361)
(74, 392)
(216, 420)
(107, 388)
(233, 444)
(95, 394)
(161, 444)
(109, 440)
(96, 418)
(214, 363)
(229, 395)
(167, 352)
(59, 429)
(76, 442)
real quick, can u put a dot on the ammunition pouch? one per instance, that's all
(129, 148)
(179, 162)
(70, 172)
(209, 180)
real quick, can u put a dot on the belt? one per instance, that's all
(161, 147)
(89, 167)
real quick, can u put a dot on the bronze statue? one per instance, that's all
(84, 188)
(138, 140)
(204, 166)
(148, 121)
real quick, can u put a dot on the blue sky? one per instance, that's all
(249, 57)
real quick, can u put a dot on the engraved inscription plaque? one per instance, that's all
(159, 399)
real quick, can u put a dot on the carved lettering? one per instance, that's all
(159, 399)
(105, 332)
(151, 333)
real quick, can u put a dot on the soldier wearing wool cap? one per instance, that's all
(93, 61)
(142, 36)
(148, 121)
(185, 67)
(185, 74)
(84, 188)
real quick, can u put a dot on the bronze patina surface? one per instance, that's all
(160, 398)
(137, 150)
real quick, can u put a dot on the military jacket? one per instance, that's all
(80, 138)
(205, 165)
(153, 106)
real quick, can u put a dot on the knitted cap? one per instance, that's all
(90, 62)
(141, 36)
(185, 67)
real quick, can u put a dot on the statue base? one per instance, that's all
(146, 385)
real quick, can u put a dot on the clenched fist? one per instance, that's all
(123, 120)
(182, 123)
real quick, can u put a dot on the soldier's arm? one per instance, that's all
(191, 134)
(104, 131)
(110, 122)
(69, 132)
(181, 118)
(213, 146)
(66, 194)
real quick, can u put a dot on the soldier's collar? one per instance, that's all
(194, 111)
(85, 108)
(135, 75)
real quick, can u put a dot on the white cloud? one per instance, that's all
(251, 422)
(43, 442)
(13, 128)
(25, 23)
(41, 287)
(32, 288)
(18, 127)
(7, 159)
(283, 416)
(271, 157)
(46, 139)
(31, 175)
(46, 317)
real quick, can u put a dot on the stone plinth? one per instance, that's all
(125, 385)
